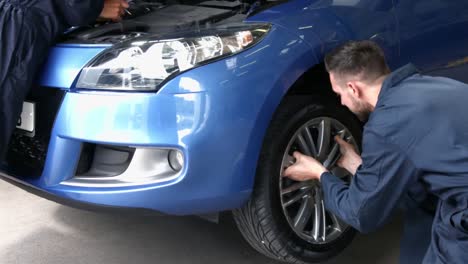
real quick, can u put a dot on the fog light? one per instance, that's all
(176, 160)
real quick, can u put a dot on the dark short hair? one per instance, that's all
(354, 58)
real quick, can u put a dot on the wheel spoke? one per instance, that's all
(296, 197)
(320, 222)
(304, 213)
(310, 142)
(296, 186)
(334, 154)
(338, 225)
(324, 138)
(324, 221)
(350, 140)
(288, 160)
(303, 145)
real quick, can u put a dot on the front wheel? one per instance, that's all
(284, 219)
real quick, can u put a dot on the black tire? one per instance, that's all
(262, 221)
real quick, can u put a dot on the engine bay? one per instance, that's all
(161, 17)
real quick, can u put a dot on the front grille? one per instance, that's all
(26, 155)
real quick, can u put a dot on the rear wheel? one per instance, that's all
(285, 219)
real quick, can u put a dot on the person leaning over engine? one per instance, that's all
(28, 28)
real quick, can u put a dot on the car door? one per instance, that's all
(434, 36)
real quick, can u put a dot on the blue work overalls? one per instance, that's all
(415, 147)
(27, 30)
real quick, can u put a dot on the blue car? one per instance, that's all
(191, 107)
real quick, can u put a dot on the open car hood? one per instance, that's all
(161, 17)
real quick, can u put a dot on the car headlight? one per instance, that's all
(142, 64)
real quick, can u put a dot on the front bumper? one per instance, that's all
(174, 121)
(76, 204)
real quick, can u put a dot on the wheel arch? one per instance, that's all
(312, 81)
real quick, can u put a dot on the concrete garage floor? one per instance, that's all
(34, 230)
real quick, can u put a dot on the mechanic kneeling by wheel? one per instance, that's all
(414, 150)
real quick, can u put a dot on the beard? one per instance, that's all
(361, 109)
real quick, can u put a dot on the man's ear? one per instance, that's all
(353, 88)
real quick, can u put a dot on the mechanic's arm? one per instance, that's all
(84, 12)
(113, 10)
(54, 16)
(376, 188)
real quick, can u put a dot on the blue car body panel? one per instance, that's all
(216, 114)
(433, 35)
(336, 21)
(65, 63)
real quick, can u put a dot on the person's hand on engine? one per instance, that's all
(350, 159)
(305, 168)
(113, 10)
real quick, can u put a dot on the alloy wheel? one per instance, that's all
(302, 202)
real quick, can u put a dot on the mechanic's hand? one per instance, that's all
(305, 168)
(113, 10)
(350, 159)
